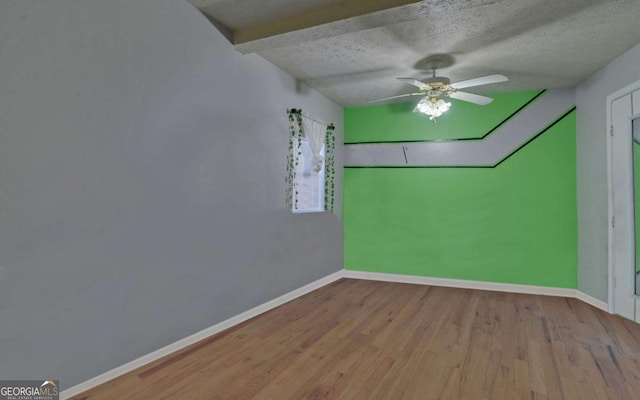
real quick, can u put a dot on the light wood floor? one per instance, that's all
(372, 340)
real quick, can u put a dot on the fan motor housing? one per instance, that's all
(437, 81)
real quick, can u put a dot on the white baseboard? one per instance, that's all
(419, 280)
(463, 284)
(196, 337)
(592, 301)
(493, 286)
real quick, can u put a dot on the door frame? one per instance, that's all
(628, 90)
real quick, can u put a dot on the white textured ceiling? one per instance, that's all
(536, 43)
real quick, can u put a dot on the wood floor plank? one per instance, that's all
(356, 339)
(367, 378)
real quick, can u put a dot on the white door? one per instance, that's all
(635, 107)
(623, 280)
(622, 207)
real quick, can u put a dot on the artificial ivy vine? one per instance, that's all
(295, 135)
(293, 156)
(329, 168)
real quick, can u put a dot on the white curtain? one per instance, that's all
(315, 132)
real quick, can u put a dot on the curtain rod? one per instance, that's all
(298, 111)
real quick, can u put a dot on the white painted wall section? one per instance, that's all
(591, 149)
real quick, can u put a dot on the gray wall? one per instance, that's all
(591, 98)
(142, 165)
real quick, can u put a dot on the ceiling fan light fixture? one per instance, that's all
(433, 107)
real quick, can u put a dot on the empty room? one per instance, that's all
(319, 199)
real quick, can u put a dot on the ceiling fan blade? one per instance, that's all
(396, 97)
(471, 98)
(482, 80)
(416, 83)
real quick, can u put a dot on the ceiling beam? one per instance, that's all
(318, 16)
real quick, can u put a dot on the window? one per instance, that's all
(308, 184)
(310, 164)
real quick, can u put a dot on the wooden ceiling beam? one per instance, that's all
(318, 16)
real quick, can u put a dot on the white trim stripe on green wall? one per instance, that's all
(486, 152)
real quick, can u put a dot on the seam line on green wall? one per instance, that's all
(523, 145)
(495, 128)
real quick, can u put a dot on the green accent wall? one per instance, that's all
(516, 223)
(397, 122)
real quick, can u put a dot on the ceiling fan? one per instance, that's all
(436, 88)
